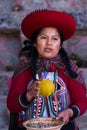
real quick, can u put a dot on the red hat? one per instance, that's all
(48, 18)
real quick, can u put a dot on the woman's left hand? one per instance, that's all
(65, 115)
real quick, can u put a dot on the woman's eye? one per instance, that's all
(55, 38)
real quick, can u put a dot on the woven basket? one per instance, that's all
(43, 124)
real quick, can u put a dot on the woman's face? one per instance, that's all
(48, 42)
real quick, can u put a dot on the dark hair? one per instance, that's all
(25, 51)
(62, 54)
(34, 53)
(66, 61)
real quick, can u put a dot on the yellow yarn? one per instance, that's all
(46, 87)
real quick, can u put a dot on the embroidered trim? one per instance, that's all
(60, 99)
(36, 108)
(77, 109)
(20, 102)
(43, 106)
(57, 101)
(53, 106)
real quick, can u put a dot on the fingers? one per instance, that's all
(34, 87)
(65, 115)
(32, 90)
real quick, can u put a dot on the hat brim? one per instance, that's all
(48, 18)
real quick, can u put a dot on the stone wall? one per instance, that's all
(11, 14)
(13, 11)
(76, 48)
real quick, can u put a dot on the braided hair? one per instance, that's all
(66, 60)
(34, 53)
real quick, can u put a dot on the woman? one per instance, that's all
(23, 57)
(47, 30)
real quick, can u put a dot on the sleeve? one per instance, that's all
(18, 89)
(78, 97)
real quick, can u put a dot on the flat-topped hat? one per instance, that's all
(48, 18)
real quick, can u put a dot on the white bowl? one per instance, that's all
(43, 124)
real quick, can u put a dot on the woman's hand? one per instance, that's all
(32, 90)
(65, 115)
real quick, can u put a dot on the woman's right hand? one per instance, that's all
(65, 115)
(32, 90)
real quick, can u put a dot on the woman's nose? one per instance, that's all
(49, 41)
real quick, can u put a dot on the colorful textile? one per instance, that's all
(19, 87)
(57, 102)
(51, 65)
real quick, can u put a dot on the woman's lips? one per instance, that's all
(48, 49)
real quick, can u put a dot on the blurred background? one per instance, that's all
(11, 40)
